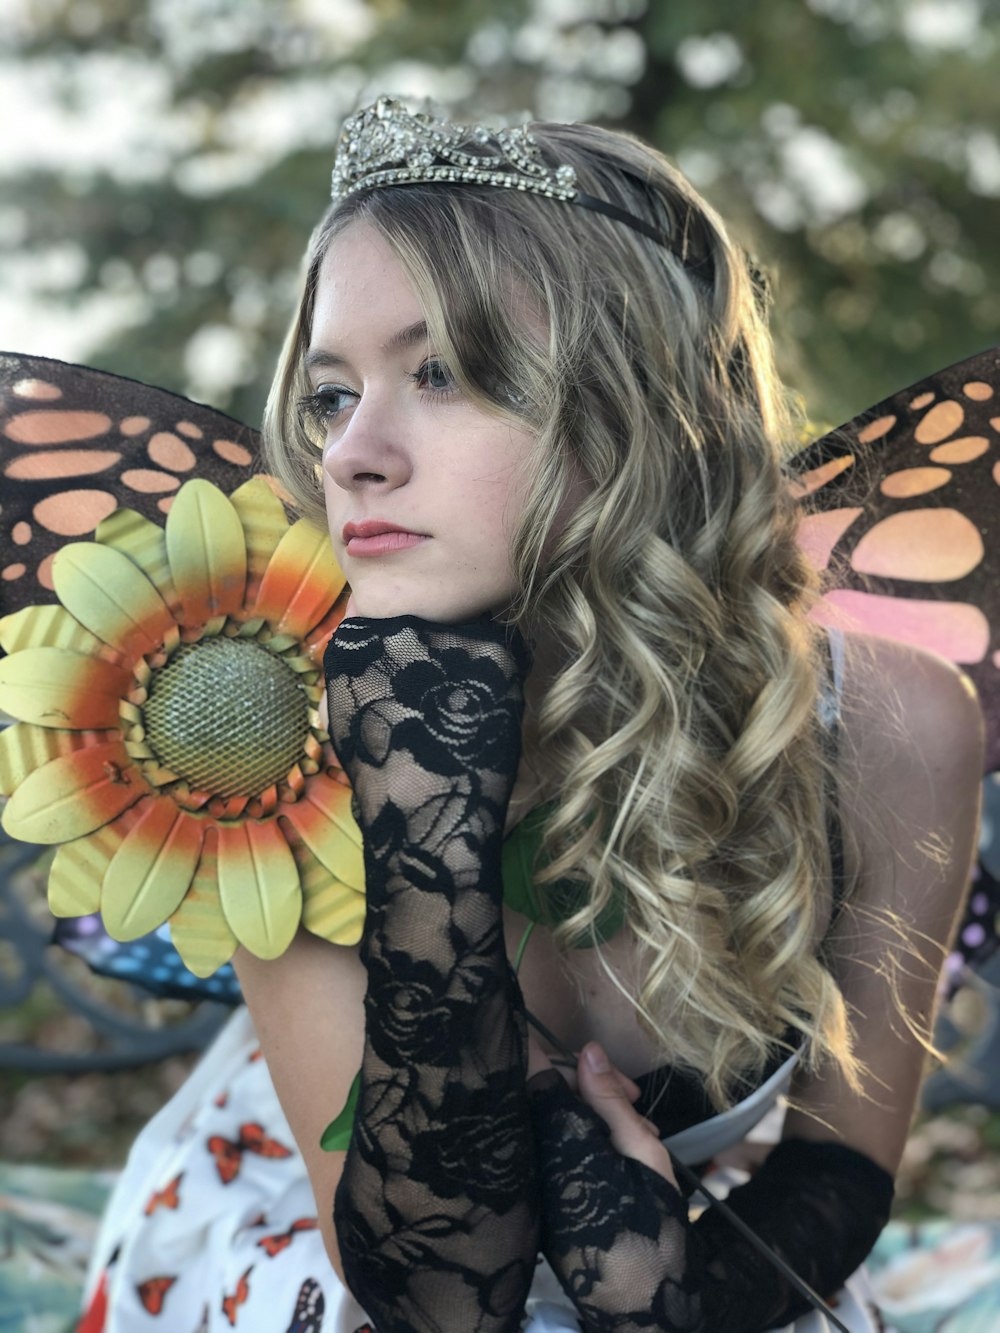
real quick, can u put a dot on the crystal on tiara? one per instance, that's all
(386, 144)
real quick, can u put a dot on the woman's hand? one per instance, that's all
(610, 1093)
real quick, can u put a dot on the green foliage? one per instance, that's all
(852, 151)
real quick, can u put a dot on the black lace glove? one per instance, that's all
(618, 1238)
(436, 1212)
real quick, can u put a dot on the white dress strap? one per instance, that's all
(831, 690)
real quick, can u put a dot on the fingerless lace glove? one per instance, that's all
(437, 1210)
(617, 1233)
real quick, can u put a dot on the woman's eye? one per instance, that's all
(435, 376)
(327, 403)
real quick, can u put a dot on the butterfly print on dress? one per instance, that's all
(168, 1197)
(309, 1309)
(153, 1293)
(274, 1245)
(228, 1154)
(231, 1304)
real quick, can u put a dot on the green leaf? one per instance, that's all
(337, 1135)
(563, 898)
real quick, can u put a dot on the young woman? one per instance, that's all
(531, 385)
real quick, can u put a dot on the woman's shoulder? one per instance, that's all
(910, 757)
(908, 700)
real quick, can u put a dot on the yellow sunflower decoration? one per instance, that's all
(168, 734)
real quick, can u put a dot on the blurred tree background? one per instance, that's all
(164, 161)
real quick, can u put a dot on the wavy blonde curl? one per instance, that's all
(680, 740)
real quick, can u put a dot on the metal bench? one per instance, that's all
(135, 1030)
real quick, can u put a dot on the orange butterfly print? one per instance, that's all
(168, 1197)
(273, 1245)
(230, 1304)
(229, 1155)
(153, 1293)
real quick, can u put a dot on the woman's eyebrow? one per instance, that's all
(399, 341)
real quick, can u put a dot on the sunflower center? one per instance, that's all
(227, 716)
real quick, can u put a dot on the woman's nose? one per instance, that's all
(368, 450)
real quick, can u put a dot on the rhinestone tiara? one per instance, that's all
(387, 144)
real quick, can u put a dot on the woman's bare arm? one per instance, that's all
(911, 749)
(307, 1007)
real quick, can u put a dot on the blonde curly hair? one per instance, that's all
(681, 740)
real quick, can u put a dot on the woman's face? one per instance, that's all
(405, 447)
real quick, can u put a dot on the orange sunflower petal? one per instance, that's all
(55, 688)
(78, 869)
(74, 795)
(264, 524)
(302, 581)
(319, 636)
(151, 871)
(111, 597)
(145, 544)
(259, 886)
(198, 928)
(207, 550)
(46, 627)
(24, 747)
(322, 818)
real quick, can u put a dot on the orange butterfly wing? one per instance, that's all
(168, 1197)
(228, 1157)
(253, 1139)
(153, 1293)
(231, 1304)
(273, 1245)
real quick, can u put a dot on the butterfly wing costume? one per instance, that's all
(113, 646)
(901, 512)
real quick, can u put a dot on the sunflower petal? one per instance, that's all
(55, 688)
(302, 581)
(264, 524)
(319, 636)
(46, 627)
(78, 869)
(24, 747)
(198, 928)
(322, 818)
(74, 795)
(111, 597)
(145, 544)
(151, 871)
(332, 910)
(207, 551)
(259, 886)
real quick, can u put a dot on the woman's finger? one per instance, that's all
(606, 1091)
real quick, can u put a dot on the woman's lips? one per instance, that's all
(384, 543)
